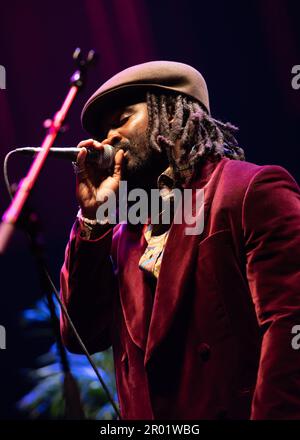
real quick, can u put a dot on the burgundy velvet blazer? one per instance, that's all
(214, 340)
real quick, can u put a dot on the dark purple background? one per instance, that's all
(245, 50)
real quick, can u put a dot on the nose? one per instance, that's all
(113, 137)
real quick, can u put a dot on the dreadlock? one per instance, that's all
(200, 136)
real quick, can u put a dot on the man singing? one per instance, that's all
(200, 324)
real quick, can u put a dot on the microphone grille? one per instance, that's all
(107, 158)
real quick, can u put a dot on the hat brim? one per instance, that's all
(114, 99)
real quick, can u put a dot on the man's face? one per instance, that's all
(126, 129)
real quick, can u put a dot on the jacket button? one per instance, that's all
(204, 351)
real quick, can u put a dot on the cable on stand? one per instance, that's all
(19, 214)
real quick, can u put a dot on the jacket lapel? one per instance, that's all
(135, 294)
(177, 262)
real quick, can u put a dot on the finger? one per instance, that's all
(85, 143)
(97, 145)
(91, 143)
(118, 164)
(82, 172)
(81, 156)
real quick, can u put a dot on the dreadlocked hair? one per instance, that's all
(199, 135)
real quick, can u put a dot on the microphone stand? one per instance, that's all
(54, 126)
(30, 222)
(16, 213)
(19, 213)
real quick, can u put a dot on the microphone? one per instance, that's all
(103, 158)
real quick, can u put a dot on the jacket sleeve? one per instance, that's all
(88, 288)
(271, 224)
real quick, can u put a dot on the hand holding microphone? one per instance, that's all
(98, 171)
(92, 183)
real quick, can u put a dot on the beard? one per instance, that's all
(142, 163)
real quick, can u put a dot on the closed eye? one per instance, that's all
(125, 119)
(120, 122)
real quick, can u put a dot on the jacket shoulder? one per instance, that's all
(238, 175)
(237, 178)
(241, 171)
